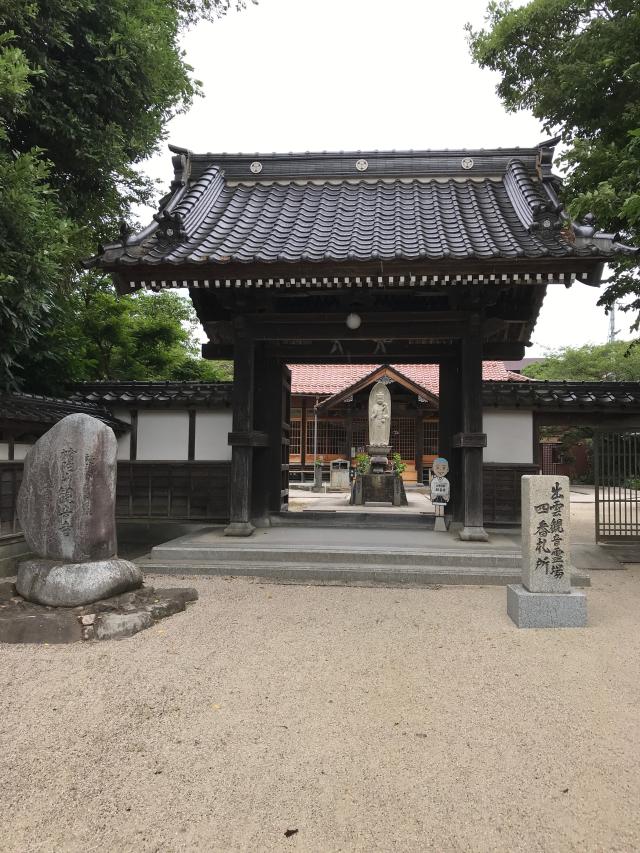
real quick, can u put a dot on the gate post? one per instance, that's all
(243, 438)
(472, 439)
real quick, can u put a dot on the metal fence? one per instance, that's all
(616, 458)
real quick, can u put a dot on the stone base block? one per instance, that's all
(440, 525)
(378, 488)
(546, 609)
(56, 583)
(474, 534)
(239, 528)
(110, 619)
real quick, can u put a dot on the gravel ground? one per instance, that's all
(366, 719)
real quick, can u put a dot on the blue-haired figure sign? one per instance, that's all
(440, 490)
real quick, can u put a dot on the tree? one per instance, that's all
(86, 89)
(100, 336)
(575, 64)
(613, 362)
(36, 257)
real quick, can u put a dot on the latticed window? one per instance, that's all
(403, 437)
(431, 439)
(359, 429)
(294, 437)
(332, 438)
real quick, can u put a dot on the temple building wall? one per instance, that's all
(124, 440)
(509, 436)
(212, 430)
(163, 435)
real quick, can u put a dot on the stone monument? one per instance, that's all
(440, 491)
(545, 599)
(66, 508)
(381, 484)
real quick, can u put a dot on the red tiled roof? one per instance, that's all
(326, 379)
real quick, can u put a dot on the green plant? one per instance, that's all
(363, 463)
(319, 461)
(398, 465)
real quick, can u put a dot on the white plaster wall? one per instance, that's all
(509, 435)
(212, 429)
(20, 451)
(124, 441)
(163, 435)
(4, 450)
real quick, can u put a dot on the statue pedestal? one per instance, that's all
(378, 488)
(379, 454)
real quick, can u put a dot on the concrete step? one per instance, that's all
(353, 520)
(175, 551)
(344, 574)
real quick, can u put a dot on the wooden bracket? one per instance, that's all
(469, 439)
(254, 438)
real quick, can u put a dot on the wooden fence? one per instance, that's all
(184, 491)
(501, 491)
(10, 479)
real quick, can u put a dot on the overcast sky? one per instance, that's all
(309, 75)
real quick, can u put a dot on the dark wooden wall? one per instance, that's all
(193, 491)
(10, 479)
(501, 491)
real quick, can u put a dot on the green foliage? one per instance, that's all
(398, 465)
(363, 463)
(105, 79)
(36, 240)
(613, 362)
(86, 89)
(575, 64)
(98, 335)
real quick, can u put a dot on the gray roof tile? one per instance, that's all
(318, 208)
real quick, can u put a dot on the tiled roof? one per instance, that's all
(324, 380)
(160, 394)
(373, 206)
(31, 408)
(590, 396)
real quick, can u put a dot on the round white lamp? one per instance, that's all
(353, 321)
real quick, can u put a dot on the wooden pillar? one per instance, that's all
(270, 417)
(419, 444)
(242, 439)
(472, 439)
(450, 423)
(348, 423)
(303, 436)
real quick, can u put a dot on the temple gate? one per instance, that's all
(403, 257)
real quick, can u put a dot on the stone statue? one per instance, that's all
(379, 415)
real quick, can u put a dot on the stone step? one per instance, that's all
(416, 558)
(353, 520)
(344, 574)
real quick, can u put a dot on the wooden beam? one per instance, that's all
(191, 442)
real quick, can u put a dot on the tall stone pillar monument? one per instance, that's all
(545, 599)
